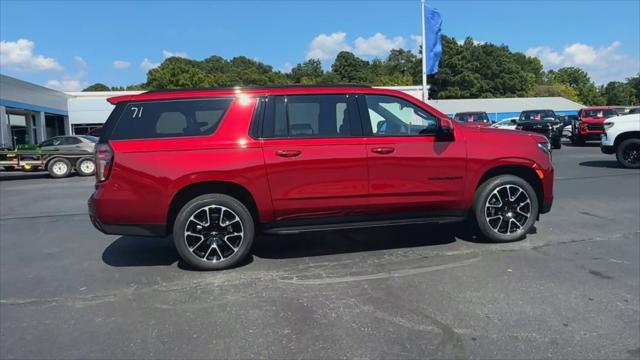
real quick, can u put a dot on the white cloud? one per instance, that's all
(147, 65)
(286, 67)
(71, 82)
(66, 85)
(417, 43)
(324, 47)
(377, 45)
(603, 64)
(19, 54)
(121, 64)
(475, 42)
(168, 54)
(80, 62)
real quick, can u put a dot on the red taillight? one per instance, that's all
(104, 160)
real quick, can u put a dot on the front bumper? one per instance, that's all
(607, 149)
(605, 140)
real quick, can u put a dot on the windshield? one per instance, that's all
(599, 113)
(537, 115)
(472, 117)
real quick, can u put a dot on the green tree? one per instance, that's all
(350, 68)
(97, 87)
(634, 83)
(618, 93)
(309, 72)
(579, 80)
(480, 70)
(403, 62)
(554, 89)
(177, 72)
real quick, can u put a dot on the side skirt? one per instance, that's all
(296, 227)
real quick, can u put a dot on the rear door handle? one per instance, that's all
(288, 153)
(383, 150)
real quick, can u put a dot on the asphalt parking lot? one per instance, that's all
(571, 290)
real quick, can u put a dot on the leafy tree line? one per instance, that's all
(467, 70)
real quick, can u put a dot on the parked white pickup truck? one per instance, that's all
(622, 137)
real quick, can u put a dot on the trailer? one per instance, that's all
(58, 164)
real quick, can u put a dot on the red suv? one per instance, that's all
(590, 124)
(212, 167)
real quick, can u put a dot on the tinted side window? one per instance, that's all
(50, 142)
(159, 119)
(70, 141)
(309, 116)
(391, 116)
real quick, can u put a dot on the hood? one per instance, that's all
(538, 122)
(507, 133)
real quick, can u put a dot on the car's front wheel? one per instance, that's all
(628, 153)
(505, 208)
(213, 232)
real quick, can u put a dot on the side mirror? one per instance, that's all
(445, 130)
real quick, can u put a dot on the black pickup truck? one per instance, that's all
(544, 122)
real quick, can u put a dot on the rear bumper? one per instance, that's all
(124, 229)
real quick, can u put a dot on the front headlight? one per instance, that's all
(545, 146)
(609, 124)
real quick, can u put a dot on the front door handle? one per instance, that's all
(383, 150)
(288, 153)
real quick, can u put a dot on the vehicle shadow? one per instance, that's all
(8, 176)
(131, 251)
(611, 164)
(356, 240)
(586, 144)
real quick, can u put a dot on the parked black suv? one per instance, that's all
(543, 122)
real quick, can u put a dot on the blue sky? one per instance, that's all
(72, 44)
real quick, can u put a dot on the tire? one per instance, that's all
(628, 153)
(556, 143)
(209, 246)
(59, 168)
(490, 218)
(86, 166)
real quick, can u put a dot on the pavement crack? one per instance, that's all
(383, 275)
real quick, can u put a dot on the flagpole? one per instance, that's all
(425, 90)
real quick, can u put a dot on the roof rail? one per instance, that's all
(261, 87)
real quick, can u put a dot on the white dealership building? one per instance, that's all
(31, 113)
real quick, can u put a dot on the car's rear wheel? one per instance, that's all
(505, 208)
(59, 168)
(86, 167)
(628, 153)
(213, 232)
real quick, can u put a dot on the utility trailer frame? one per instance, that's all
(29, 159)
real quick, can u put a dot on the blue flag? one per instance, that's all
(433, 44)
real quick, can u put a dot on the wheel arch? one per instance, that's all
(624, 136)
(235, 190)
(526, 173)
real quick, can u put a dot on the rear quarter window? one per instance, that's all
(175, 118)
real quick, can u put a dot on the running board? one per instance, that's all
(361, 224)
